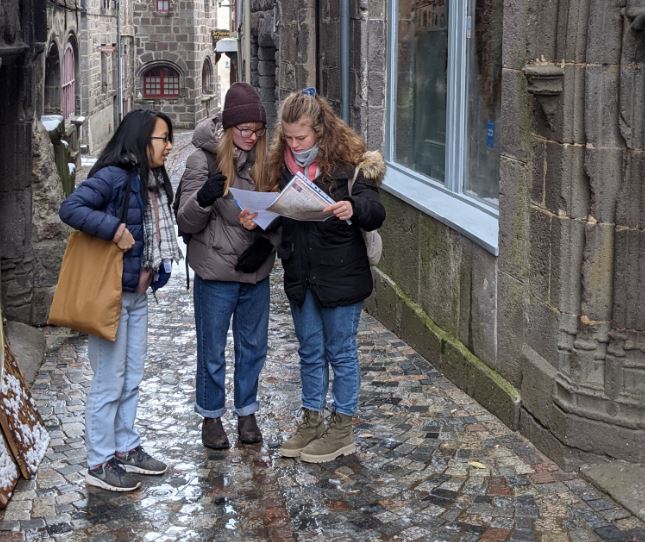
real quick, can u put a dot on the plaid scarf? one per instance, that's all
(160, 242)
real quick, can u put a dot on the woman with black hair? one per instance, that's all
(131, 166)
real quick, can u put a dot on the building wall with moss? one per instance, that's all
(548, 333)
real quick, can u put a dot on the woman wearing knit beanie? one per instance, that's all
(231, 264)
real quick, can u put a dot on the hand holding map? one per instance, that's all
(300, 199)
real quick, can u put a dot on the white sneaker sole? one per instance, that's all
(93, 481)
(139, 470)
(323, 458)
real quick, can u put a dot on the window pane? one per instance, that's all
(420, 138)
(484, 90)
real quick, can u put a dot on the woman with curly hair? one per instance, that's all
(326, 270)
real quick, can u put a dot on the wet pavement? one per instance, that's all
(432, 464)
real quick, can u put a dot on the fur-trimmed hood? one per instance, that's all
(373, 166)
(208, 133)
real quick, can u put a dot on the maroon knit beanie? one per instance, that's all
(242, 104)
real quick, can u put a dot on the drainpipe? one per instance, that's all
(246, 42)
(344, 60)
(119, 75)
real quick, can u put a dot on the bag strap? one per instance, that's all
(126, 200)
(211, 162)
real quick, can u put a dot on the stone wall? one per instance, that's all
(49, 234)
(22, 40)
(265, 43)
(98, 72)
(549, 334)
(180, 39)
(583, 275)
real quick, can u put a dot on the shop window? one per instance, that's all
(161, 82)
(69, 82)
(446, 67)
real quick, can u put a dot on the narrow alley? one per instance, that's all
(432, 463)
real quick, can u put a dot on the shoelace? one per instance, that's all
(113, 465)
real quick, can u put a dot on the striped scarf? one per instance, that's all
(160, 242)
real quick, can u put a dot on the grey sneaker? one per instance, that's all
(111, 476)
(140, 462)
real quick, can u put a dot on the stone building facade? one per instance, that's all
(23, 35)
(99, 68)
(513, 132)
(174, 69)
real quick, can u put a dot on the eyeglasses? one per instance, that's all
(165, 139)
(247, 132)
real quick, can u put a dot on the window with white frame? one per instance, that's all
(163, 6)
(445, 87)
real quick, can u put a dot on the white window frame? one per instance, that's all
(446, 202)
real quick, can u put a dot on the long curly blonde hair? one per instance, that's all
(226, 161)
(338, 143)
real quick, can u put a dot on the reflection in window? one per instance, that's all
(422, 87)
(484, 90)
(447, 68)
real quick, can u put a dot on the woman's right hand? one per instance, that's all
(126, 241)
(246, 219)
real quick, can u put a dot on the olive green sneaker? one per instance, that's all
(337, 440)
(311, 427)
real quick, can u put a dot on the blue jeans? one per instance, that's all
(111, 405)
(215, 303)
(327, 336)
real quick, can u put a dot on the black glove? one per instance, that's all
(253, 257)
(212, 189)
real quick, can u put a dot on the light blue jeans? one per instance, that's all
(216, 302)
(111, 405)
(327, 337)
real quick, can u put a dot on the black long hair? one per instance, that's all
(128, 147)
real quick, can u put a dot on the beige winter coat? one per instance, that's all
(218, 238)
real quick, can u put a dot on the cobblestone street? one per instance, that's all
(432, 464)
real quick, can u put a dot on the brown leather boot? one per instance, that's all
(213, 434)
(248, 429)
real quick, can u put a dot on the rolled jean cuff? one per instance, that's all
(248, 409)
(210, 413)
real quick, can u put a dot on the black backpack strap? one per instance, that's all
(126, 201)
(211, 160)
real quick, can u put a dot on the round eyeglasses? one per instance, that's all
(247, 132)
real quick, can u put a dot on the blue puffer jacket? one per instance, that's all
(95, 208)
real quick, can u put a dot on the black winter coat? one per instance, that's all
(330, 257)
